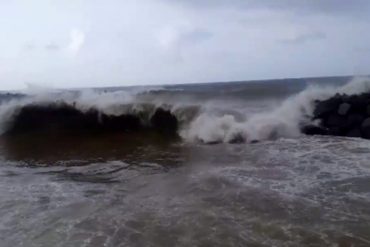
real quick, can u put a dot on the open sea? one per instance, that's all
(84, 167)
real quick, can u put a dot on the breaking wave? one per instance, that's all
(90, 110)
(284, 120)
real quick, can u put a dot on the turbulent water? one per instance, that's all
(237, 171)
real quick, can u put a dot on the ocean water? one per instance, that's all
(273, 187)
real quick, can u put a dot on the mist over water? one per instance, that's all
(143, 187)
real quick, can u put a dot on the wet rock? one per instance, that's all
(355, 120)
(341, 115)
(359, 103)
(343, 109)
(213, 142)
(334, 120)
(365, 128)
(366, 123)
(326, 107)
(354, 133)
(237, 139)
(314, 130)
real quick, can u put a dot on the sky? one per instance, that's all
(94, 43)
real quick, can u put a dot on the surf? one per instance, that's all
(89, 111)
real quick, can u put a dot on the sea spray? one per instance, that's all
(197, 123)
(283, 121)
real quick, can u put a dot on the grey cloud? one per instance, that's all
(52, 47)
(304, 38)
(308, 6)
(48, 47)
(196, 36)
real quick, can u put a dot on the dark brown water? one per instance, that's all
(306, 192)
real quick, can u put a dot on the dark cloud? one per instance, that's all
(48, 47)
(308, 6)
(304, 38)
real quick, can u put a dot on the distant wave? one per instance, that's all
(99, 111)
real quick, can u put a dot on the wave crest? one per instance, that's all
(126, 111)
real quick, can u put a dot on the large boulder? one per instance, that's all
(343, 109)
(335, 121)
(342, 115)
(326, 107)
(237, 138)
(365, 128)
(368, 110)
(356, 132)
(359, 103)
(314, 130)
(355, 120)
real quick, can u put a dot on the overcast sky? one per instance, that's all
(82, 43)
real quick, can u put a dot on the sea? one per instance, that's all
(237, 172)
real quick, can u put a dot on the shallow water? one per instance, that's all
(290, 192)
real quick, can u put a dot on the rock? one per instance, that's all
(237, 139)
(215, 142)
(336, 131)
(334, 120)
(354, 120)
(354, 133)
(343, 109)
(366, 123)
(365, 128)
(326, 107)
(358, 103)
(342, 115)
(314, 130)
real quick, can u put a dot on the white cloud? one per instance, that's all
(161, 41)
(168, 37)
(77, 40)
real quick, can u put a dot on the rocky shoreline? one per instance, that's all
(341, 115)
